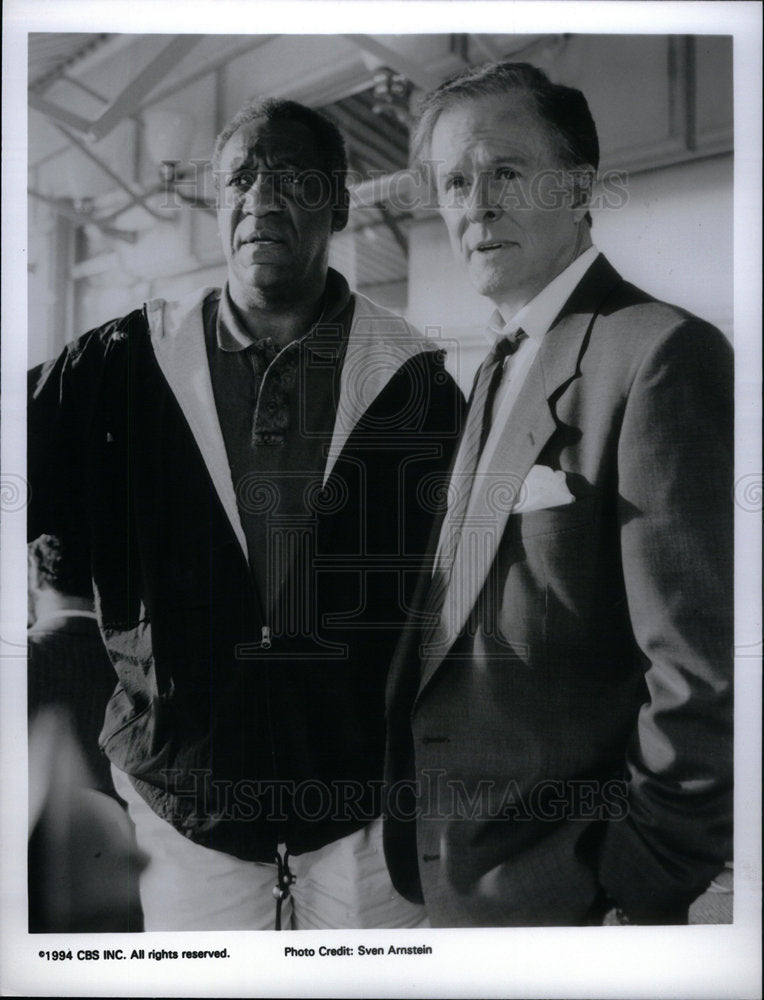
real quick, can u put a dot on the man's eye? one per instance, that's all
(455, 186)
(241, 182)
(289, 179)
(507, 174)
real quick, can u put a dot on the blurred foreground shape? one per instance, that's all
(83, 862)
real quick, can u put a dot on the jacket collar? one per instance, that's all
(379, 342)
(231, 335)
(537, 316)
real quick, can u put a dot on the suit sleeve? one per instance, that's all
(675, 467)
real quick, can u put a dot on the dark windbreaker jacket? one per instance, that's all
(238, 744)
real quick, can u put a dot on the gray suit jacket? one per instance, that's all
(564, 740)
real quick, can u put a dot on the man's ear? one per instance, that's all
(341, 211)
(582, 183)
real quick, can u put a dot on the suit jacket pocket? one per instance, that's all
(553, 520)
(561, 557)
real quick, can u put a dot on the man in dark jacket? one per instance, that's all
(252, 473)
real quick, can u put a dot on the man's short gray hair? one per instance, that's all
(563, 110)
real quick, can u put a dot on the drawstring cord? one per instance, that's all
(284, 880)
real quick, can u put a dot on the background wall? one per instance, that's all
(104, 237)
(672, 237)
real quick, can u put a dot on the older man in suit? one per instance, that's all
(560, 710)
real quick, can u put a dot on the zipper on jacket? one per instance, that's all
(245, 650)
(265, 644)
(284, 881)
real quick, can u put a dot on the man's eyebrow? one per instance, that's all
(513, 159)
(243, 164)
(510, 159)
(255, 157)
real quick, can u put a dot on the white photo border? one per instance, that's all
(698, 961)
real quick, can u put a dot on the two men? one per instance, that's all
(559, 746)
(248, 470)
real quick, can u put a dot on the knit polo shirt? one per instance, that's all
(277, 407)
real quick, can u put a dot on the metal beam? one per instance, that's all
(208, 67)
(217, 65)
(394, 228)
(82, 218)
(74, 82)
(460, 47)
(411, 70)
(128, 102)
(130, 98)
(487, 48)
(135, 199)
(403, 191)
(363, 134)
(100, 48)
(57, 115)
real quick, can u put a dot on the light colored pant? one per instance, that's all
(187, 887)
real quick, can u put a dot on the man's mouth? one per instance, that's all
(260, 240)
(487, 245)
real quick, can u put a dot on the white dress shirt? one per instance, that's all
(535, 318)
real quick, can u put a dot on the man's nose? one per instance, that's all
(263, 196)
(484, 201)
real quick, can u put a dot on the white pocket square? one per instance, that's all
(543, 487)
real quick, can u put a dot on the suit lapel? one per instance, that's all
(498, 487)
(494, 494)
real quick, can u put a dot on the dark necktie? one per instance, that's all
(474, 437)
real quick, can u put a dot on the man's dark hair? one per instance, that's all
(329, 140)
(564, 110)
(62, 567)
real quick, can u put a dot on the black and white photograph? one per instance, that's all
(381, 500)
